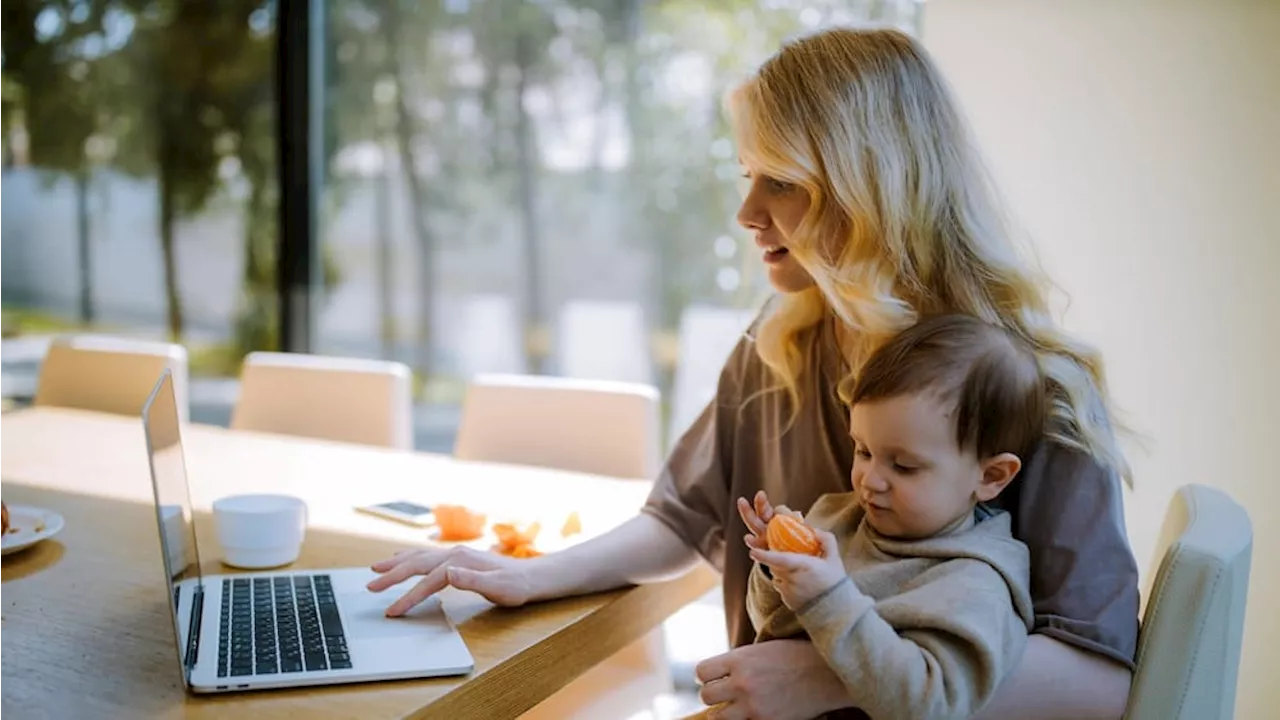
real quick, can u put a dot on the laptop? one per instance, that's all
(291, 628)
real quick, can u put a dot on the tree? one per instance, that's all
(386, 72)
(168, 124)
(52, 56)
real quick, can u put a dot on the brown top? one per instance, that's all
(1065, 507)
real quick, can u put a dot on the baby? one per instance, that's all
(922, 606)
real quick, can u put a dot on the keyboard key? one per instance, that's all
(315, 661)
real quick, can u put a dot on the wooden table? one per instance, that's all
(86, 626)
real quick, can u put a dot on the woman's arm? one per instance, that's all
(1056, 680)
(601, 563)
(610, 560)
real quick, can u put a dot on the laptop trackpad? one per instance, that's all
(365, 612)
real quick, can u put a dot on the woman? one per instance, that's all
(868, 201)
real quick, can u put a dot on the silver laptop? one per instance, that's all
(278, 629)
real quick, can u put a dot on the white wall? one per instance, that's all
(1139, 144)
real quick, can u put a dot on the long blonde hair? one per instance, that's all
(863, 121)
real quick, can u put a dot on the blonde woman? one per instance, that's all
(868, 201)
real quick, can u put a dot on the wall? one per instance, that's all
(1139, 145)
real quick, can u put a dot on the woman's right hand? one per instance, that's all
(500, 579)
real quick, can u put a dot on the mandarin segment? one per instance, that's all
(523, 551)
(511, 535)
(457, 523)
(572, 525)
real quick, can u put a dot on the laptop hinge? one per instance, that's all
(194, 626)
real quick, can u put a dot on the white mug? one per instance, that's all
(260, 531)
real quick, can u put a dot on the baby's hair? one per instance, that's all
(990, 380)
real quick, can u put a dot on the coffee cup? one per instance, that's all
(260, 531)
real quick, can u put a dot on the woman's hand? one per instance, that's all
(776, 679)
(500, 579)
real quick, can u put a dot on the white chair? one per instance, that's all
(590, 426)
(599, 340)
(707, 336)
(489, 339)
(109, 374)
(368, 402)
(606, 428)
(1193, 622)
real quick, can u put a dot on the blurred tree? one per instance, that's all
(360, 112)
(398, 20)
(169, 123)
(52, 75)
(385, 69)
(512, 40)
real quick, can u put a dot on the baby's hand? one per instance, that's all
(800, 578)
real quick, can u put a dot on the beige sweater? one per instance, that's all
(919, 629)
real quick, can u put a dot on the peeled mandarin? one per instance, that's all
(786, 533)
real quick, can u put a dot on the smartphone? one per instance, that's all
(403, 511)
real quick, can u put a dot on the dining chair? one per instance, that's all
(603, 340)
(1193, 619)
(109, 374)
(707, 335)
(590, 426)
(353, 400)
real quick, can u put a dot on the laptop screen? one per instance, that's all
(160, 422)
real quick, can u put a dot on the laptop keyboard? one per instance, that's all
(281, 624)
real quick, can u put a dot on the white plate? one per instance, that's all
(28, 526)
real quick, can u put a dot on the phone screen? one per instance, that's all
(407, 508)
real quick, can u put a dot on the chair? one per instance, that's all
(707, 335)
(109, 374)
(488, 337)
(602, 340)
(607, 428)
(368, 402)
(589, 426)
(1193, 623)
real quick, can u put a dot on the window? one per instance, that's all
(139, 172)
(541, 186)
(544, 186)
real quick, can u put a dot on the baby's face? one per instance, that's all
(910, 473)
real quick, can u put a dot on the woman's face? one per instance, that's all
(772, 210)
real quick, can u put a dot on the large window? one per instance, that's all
(139, 178)
(544, 186)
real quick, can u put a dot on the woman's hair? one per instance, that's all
(902, 222)
(988, 380)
